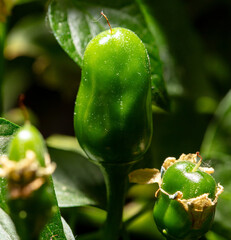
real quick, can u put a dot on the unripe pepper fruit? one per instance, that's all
(27, 138)
(113, 117)
(170, 216)
(29, 212)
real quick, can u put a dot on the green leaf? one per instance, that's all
(7, 130)
(67, 230)
(75, 23)
(169, 72)
(7, 228)
(184, 44)
(216, 146)
(55, 227)
(26, 37)
(217, 138)
(78, 182)
(65, 142)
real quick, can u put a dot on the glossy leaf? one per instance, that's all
(73, 184)
(78, 182)
(185, 46)
(7, 130)
(216, 147)
(75, 23)
(57, 228)
(7, 228)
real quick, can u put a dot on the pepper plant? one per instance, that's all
(143, 95)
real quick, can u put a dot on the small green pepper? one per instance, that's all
(113, 117)
(186, 202)
(27, 170)
(27, 138)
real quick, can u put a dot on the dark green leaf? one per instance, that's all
(75, 23)
(217, 147)
(78, 182)
(184, 45)
(57, 228)
(7, 129)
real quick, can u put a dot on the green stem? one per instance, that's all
(116, 178)
(2, 43)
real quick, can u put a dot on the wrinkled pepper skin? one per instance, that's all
(170, 216)
(113, 117)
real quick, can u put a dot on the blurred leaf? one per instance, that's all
(7, 228)
(78, 182)
(36, 58)
(16, 82)
(75, 23)
(7, 129)
(5, 6)
(2, 44)
(145, 226)
(16, 115)
(184, 44)
(26, 37)
(65, 142)
(217, 147)
(217, 142)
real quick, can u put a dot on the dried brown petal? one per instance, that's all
(168, 162)
(145, 176)
(198, 208)
(208, 170)
(25, 176)
(188, 157)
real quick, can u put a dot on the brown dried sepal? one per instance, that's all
(185, 157)
(25, 176)
(198, 208)
(153, 175)
(145, 176)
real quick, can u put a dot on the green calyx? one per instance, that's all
(186, 201)
(113, 116)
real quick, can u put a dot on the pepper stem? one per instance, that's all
(116, 178)
(198, 163)
(23, 107)
(107, 20)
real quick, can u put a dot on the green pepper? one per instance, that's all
(186, 202)
(113, 117)
(27, 138)
(31, 202)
